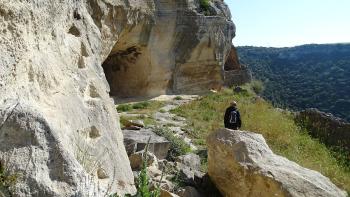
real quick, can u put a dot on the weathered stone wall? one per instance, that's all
(58, 126)
(234, 72)
(180, 51)
(59, 129)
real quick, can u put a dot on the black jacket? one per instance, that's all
(227, 118)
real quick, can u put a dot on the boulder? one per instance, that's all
(165, 193)
(190, 160)
(135, 141)
(137, 159)
(240, 163)
(189, 191)
(132, 123)
(187, 175)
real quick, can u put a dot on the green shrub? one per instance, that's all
(204, 4)
(143, 189)
(178, 98)
(178, 146)
(124, 107)
(257, 86)
(141, 105)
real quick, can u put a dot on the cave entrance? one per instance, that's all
(126, 72)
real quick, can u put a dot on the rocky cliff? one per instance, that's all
(61, 60)
(178, 51)
(333, 131)
(234, 72)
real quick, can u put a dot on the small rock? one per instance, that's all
(132, 123)
(136, 160)
(237, 89)
(165, 193)
(101, 174)
(138, 123)
(186, 174)
(134, 128)
(135, 141)
(189, 191)
(191, 160)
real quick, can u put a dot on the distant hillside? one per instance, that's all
(304, 76)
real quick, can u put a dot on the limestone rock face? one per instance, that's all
(234, 72)
(59, 130)
(240, 163)
(58, 61)
(180, 51)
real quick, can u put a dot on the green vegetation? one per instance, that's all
(141, 105)
(304, 76)
(129, 107)
(144, 107)
(277, 126)
(178, 98)
(257, 86)
(124, 107)
(178, 146)
(6, 180)
(146, 110)
(205, 6)
(143, 189)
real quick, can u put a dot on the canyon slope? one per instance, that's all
(60, 61)
(308, 76)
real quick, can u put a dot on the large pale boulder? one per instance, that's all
(240, 163)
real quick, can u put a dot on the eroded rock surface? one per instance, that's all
(240, 163)
(234, 72)
(58, 126)
(180, 51)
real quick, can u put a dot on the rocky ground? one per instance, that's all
(239, 162)
(178, 173)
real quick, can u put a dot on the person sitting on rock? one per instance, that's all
(232, 119)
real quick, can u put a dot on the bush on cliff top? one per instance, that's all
(204, 4)
(277, 126)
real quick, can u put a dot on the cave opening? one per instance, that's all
(126, 72)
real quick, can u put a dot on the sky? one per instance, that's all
(282, 23)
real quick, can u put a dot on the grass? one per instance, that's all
(178, 146)
(145, 109)
(257, 86)
(278, 127)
